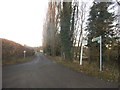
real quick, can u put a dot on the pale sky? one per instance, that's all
(22, 20)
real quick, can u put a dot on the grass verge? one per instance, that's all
(108, 74)
(16, 60)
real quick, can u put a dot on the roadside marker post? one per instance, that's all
(100, 53)
(24, 53)
(99, 40)
(81, 54)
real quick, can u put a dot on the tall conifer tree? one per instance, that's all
(100, 24)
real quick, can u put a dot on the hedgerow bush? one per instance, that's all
(12, 49)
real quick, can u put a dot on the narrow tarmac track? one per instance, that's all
(44, 73)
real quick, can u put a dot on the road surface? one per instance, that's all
(44, 73)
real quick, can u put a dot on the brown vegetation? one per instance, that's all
(14, 50)
(110, 73)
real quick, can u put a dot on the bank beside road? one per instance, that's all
(17, 60)
(108, 74)
(13, 53)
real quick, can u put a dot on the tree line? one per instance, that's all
(68, 25)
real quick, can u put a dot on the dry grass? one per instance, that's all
(108, 73)
(15, 60)
(11, 50)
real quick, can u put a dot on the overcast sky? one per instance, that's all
(22, 20)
